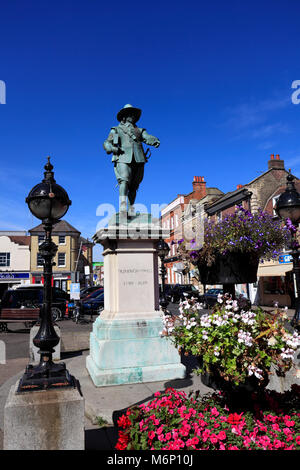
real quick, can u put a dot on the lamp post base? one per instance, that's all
(41, 378)
(295, 322)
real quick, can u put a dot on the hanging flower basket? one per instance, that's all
(232, 268)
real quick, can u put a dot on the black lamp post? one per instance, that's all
(288, 207)
(162, 250)
(49, 202)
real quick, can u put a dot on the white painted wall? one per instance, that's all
(19, 255)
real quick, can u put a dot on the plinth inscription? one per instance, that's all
(133, 277)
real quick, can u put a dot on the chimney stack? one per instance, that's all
(199, 186)
(275, 162)
(239, 186)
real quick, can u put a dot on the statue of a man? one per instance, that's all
(125, 143)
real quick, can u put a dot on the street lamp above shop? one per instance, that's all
(288, 207)
(162, 248)
(288, 204)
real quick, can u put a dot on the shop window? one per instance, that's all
(5, 259)
(275, 285)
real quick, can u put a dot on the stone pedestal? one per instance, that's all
(44, 420)
(34, 351)
(125, 344)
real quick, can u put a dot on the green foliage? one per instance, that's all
(237, 343)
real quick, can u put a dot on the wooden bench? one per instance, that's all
(18, 315)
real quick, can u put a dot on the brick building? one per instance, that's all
(180, 218)
(274, 277)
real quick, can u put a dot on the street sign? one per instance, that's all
(285, 259)
(75, 291)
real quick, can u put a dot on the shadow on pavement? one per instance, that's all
(101, 439)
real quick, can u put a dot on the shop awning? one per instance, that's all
(274, 270)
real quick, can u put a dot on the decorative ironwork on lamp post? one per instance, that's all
(162, 250)
(288, 207)
(48, 202)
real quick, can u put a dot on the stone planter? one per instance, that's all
(233, 268)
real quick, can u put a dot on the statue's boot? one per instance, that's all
(131, 200)
(122, 204)
(131, 211)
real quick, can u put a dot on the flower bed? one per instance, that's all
(175, 421)
(239, 343)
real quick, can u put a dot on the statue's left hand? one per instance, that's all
(156, 145)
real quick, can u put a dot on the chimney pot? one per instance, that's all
(276, 163)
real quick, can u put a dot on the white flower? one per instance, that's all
(245, 337)
(216, 351)
(272, 341)
(252, 370)
(292, 340)
(204, 334)
(287, 354)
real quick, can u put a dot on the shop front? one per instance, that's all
(59, 280)
(276, 283)
(11, 279)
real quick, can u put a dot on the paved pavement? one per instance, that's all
(105, 402)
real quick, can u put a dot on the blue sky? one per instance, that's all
(213, 80)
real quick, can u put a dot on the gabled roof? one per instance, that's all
(238, 194)
(61, 226)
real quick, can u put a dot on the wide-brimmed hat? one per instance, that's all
(129, 109)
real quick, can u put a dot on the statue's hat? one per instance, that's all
(129, 109)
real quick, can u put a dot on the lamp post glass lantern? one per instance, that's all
(48, 202)
(162, 250)
(288, 207)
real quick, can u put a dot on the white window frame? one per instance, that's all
(40, 263)
(60, 243)
(6, 259)
(59, 265)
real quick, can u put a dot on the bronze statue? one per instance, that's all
(125, 143)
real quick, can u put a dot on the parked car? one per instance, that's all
(177, 292)
(93, 294)
(16, 302)
(88, 290)
(83, 298)
(93, 305)
(210, 298)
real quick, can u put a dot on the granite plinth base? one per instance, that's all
(44, 420)
(124, 351)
